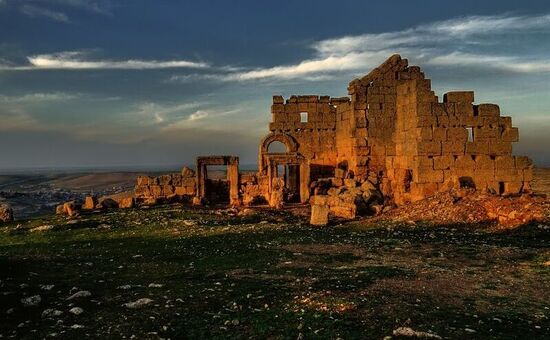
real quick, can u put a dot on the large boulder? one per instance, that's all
(71, 208)
(6, 213)
(107, 203)
(127, 203)
(89, 203)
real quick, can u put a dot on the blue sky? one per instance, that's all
(156, 83)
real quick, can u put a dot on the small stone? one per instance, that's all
(76, 310)
(50, 312)
(79, 294)
(31, 301)
(138, 303)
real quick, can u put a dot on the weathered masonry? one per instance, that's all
(394, 129)
(391, 135)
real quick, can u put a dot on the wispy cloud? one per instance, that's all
(450, 42)
(78, 60)
(96, 6)
(38, 97)
(36, 11)
(198, 115)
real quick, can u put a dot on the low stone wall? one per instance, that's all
(169, 186)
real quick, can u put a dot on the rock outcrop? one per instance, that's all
(6, 213)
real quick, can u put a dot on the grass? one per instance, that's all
(270, 275)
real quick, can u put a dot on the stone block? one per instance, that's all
(453, 148)
(459, 97)
(319, 215)
(143, 180)
(427, 148)
(457, 134)
(463, 110)
(337, 182)
(156, 191)
(510, 134)
(464, 162)
(477, 148)
(500, 148)
(278, 100)
(488, 110)
(508, 175)
(350, 182)
(443, 162)
(423, 162)
(167, 190)
(504, 162)
(428, 176)
(165, 180)
(348, 211)
(439, 134)
(484, 162)
(89, 203)
(512, 187)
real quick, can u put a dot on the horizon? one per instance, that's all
(84, 84)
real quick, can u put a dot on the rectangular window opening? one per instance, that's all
(470, 134)
(303, 117)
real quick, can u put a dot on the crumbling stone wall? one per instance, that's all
(316, 135)
(394, 129)
(169, 186)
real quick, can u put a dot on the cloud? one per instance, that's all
(35, 11)
(100, 7)
(457, 41)
(511, 64)
(150, 113)
(38, 97)
(198, 115)
(77, 60)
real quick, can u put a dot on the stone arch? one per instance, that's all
(287, 140)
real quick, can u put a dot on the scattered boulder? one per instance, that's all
(6, 213)
(127, 203)
(138, 303)
(107, 203)
(50, 312)
(76, 310)
(407, 332)
(71, 209)
(79, 294)
(90, 203)
(31, 301)
(59, 210)
(41, 228)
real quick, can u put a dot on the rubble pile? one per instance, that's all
(345, 198)
(468, 206)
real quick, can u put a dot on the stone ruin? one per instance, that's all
(390, 141)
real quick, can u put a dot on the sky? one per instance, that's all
(155, 83)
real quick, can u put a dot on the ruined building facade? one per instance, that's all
(393, 127)
(393, 131)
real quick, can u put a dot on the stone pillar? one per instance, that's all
(304, 181)
(233, 178)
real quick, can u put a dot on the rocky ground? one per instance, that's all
(176, 272)
(32, 195)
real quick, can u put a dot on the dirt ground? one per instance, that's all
(209, 274)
